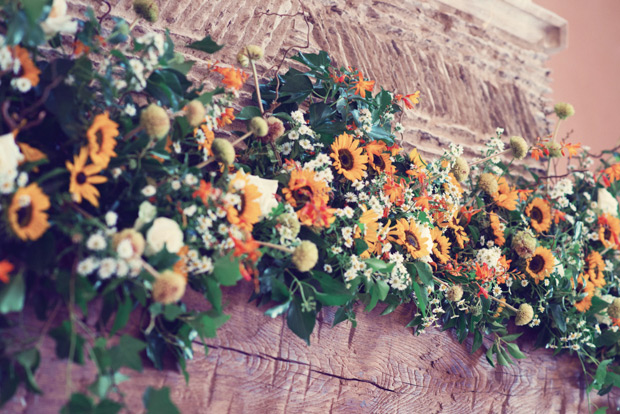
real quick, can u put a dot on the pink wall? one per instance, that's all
(587, 72)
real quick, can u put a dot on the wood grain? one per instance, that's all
(257, 365)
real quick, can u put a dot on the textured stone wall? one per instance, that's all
(475, 72)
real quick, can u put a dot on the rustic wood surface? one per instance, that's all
(257, 365)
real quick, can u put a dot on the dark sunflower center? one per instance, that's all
(99, 136)
(302, 195)
(24, 215)
(378, 160)
(537, 264)
(536, 214)
(346, 159)
(241, 208)
(412, 239)
(80, 178)
(607, 233)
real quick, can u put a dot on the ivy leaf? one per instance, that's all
(107, 407)
(158, 401)
(301, 323)
(127, 353)
(29, 360)
(477, 341)
(78, 404)
(248, 112)
(601, 372)
(226, 270)
(62, 334)
(122, 315)
(425, 273)
(420, 294)
(382, 289)
(214, 294)
(12, 295)
(205, 45)
(558, 317)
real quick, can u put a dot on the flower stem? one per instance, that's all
(258, 97)
(276, 246)
(489, 157)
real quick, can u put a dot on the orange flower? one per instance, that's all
(395, 191)
(610, 174)
(102, 139)
(537, 153)
(316, 213)
(80, 48)
(484, 273)
(6, 267)
(609, 231)
(498, 231)
(409, 100)
(226, 118)
(205, 190)
(233, 78)
(362, 86)
(571, 149)
(585, 303)
(28, 69)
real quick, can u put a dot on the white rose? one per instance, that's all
(607, 203)
(58, 21)
(10, 156)
(146, 214)
(268, 190)
(164, 232)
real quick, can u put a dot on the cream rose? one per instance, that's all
(164, 232)
(268, 190)
(58, 21)
(607, 203)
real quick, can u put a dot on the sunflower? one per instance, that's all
(540, 264)
(247, 212)
(369, 221)
(441, 246)
(27, 214)
(505, 197)
(102, 139)
(498, 229)
(83, 177)
(596, 266)
(303, 187)
(28, 69)
(348, 158)
(540, 214)
(412, 239)
(459, 232)
(585, 303)
(609, 230)
(378, 159)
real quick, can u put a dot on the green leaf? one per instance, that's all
(122, 315)
(318, 62)
(12, 295)
(279, 309)
(558, 317)
(601, 372)
(226, 270)
(34, 8)
(248, 113)
(101, 386)
(389, 309)
(171, 312)
(477, 341)
(206, 45)
(489, 355)
(29, 360)
(214, 294)
(602, 410)
(514, 350)
(78, 404)
(420, 294)
(425, 272)
(607, 338)
(158, 401)
(301, 323)
(127, 353)
(511, 337)
(383, 288)
(500, 359)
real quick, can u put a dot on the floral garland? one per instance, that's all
(120, 183)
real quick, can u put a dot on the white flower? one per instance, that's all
(175, 185)
(122, 268)
(190, 211)
(10, 156)
(607, 203)
(116, 172)
(164, 232)
(190, 179)
(96, 242)
(125, 249)
(107, 267)
(110, 218)
(327, 268)
(146, 214)
(58, 21)
(87, 266)
(268, 189)
(22, 179)
(293, 135)
(149, 191)
(21, 84)
(130, 109)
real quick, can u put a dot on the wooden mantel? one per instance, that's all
(256, 365)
